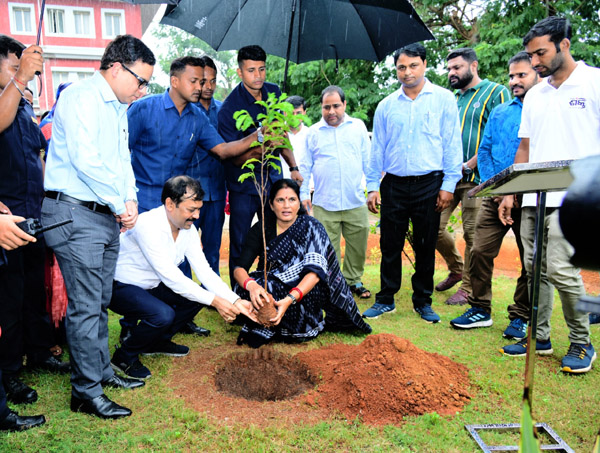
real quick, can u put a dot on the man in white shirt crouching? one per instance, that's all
(150, 287)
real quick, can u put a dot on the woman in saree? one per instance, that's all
(303, 275)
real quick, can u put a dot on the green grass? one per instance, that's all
(161, 422)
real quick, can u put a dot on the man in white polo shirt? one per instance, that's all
(149, 285)
(560, 120)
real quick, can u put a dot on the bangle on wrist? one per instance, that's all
(237, 300)
(248, 280)
(300, 293)
(294, 300)
(17, 87)
(17, 80)
(294, 168)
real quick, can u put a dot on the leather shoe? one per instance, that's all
(17, 392)
(52, 364)
(459, 298)
(448, 282)
(100, 406)
(16, 422)
(192, 328)
(122, 383)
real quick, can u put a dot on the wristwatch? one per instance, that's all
(468, 170)
(260, 137)
(294, 169)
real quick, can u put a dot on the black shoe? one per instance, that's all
(119, 382)
(134, 370)
(100, 406)
(52, 364)
(125, 334)
(17, 392)
(16, 422)
(168, 348)
(192, 328)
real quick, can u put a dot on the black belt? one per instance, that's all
(91, 205)
(411, 179)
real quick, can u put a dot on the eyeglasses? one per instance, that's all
(142, 83)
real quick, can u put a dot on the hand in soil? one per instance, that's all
(267, 312)
(245, 307)
(258, 295)
(281, 306)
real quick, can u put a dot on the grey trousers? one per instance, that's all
(87, 251)
(557, 271)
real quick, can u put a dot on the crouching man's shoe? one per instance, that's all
(122, 383)
(17, 392)
(16, 422)
(50, 363)
(100, 406)
(192, 328)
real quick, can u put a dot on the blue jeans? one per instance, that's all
(161, 312)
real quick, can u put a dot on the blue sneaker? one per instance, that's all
(378, 309)
(594, 318)
(579, 359)
(427, 314)
(520, 349)
(473, 317)
(517, 329)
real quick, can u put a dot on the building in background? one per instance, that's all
(74, 35)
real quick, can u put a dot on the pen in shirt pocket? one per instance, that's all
(191, 137)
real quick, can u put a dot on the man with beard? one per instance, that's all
(560, 121)
(497, 152)
(476, 99)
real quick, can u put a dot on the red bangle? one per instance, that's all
(295, 288)
(19, 81)
(249, 279)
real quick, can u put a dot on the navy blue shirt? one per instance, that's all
(162, 143)
(21, 178)
(241, 99)
(207, 166)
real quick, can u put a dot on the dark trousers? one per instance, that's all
(4, 411)
(87, 252)
(242, 207)
(489, 233)
(26, 327)
(160, 311)
(405, 199)
(210, 224)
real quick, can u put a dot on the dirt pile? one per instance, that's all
(384, 379)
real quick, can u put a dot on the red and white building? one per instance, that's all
(74, 36)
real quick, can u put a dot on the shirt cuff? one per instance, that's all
(448, 186)
(373, 187)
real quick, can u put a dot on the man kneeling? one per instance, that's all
(150, 287)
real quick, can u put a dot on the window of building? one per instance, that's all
(63, 75)
(56, 20)
(113, 23)
(21, 18)
(82, 22)
(69, 22)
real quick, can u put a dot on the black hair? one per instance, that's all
(296, 101)
(412, 50)
(8, 45)
(208, 62)
(178, 64)
(333, 89)
(521, 56)
(254, 53)
(557, 28)
(126, 49)
(177, 188)
(466, 53)
(286, 183)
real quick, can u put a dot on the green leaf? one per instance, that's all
(245, 176)
(528, 442)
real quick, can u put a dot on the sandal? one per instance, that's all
(361, 291)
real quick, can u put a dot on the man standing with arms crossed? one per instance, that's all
(497, 152)
(476, 99)
(560, 120)
(89, 179)
(416, 142)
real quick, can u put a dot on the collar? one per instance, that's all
(475, 88)
(517, 101)
(427, 88)
(323, 124)
(106, 92)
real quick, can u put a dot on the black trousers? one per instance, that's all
(26, 327)
(404, 199)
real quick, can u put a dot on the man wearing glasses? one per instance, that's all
(89, 179)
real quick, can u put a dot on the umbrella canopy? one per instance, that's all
(169, 2)
(303, 30)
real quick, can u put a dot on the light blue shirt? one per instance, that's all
(337, 158)
(89, 155)
(416, 137)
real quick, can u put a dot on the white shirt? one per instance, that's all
(149, 255)
(338, 158)
(298, 141)
(562, 123)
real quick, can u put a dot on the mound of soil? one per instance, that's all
(263, 375)
(384, 379)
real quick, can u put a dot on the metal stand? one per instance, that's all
(536, 178)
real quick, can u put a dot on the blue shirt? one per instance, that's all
(89, 157)
(416, 137)
(205, 165)
(163, 142)
(21, 179)
(241, 99)
(500, 139)
(337, 158)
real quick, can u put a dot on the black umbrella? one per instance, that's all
(303, 30)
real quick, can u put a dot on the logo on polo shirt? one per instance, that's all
(577, 103)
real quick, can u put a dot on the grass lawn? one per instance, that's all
(161, 422)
